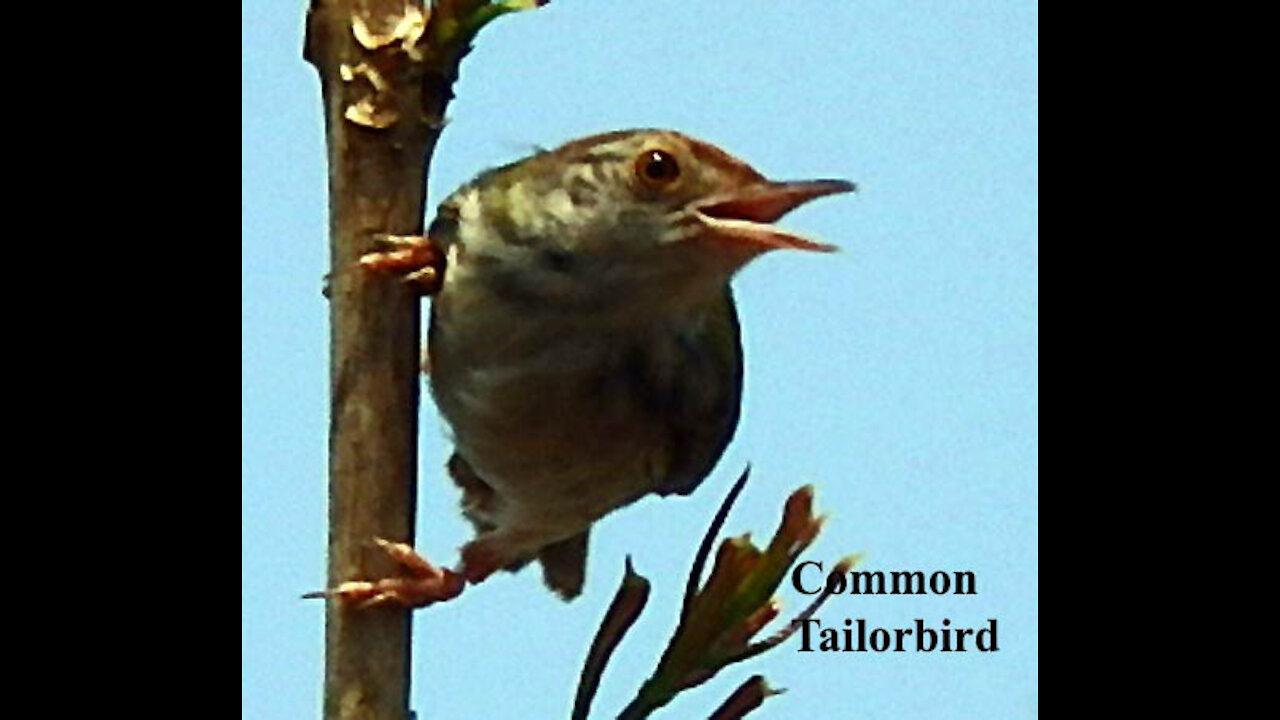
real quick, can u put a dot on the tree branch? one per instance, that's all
(386, 70)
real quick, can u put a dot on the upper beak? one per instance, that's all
(744, 216)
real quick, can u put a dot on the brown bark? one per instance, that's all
(383, 109)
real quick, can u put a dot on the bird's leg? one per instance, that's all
(494, 548)
(505, 548)
(418, 261)
(484, 556)
(479, 502)
(421, 584)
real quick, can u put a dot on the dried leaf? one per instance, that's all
(627, 604)
(749, 696)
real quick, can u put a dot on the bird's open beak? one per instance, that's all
(743, 218)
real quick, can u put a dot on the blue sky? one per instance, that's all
(898, 376)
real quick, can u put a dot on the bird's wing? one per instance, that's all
(708, 398)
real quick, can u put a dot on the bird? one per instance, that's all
(584, 346)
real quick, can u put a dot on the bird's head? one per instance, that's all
(622, 216)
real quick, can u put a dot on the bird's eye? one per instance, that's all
(657, 167)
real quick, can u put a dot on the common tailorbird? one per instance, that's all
(584, 346)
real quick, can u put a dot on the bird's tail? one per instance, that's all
(564, 565)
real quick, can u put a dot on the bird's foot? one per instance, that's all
(421, 584)
(418, 261)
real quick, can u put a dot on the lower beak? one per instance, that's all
(744, 216)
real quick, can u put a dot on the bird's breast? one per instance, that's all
(552, 411)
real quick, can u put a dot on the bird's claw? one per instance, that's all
(418, 261)
(422, 583)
